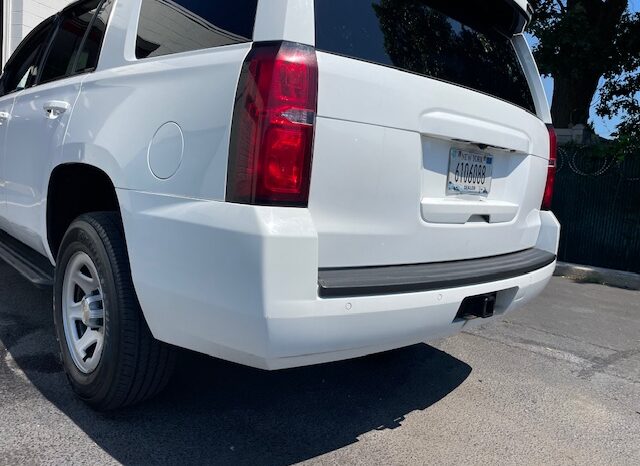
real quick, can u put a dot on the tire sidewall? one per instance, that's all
(83, 237)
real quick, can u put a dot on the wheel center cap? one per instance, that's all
(92, 311)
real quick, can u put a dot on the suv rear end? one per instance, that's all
(387, 165)
(403, 88)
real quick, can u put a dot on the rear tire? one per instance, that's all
(109, 355)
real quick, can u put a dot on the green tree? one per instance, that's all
(582, 42)
(620, 94)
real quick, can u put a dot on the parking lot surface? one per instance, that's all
(558, 382)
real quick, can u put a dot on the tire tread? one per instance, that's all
(145, 364)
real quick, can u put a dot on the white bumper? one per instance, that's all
(240, 283)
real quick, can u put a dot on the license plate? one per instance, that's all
(469, 172)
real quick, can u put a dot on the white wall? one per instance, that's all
(21, 16)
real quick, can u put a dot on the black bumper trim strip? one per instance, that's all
(368, 281)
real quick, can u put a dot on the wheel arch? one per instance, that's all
(75, 189)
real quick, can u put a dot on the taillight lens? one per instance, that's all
(551, 174)
(273, 126)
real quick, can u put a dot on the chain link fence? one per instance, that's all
(597, 201)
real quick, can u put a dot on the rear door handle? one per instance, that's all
(4, 117)
(55, 108)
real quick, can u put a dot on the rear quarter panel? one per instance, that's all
(120, 111)
(126, 101)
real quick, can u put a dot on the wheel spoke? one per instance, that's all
(87, 284)
(98, 350)
(83, 311)
(74, 310)
(89, 338)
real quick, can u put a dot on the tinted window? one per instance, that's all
(88, 57)
(68, 39)
(168, 27)
(462, 42)
(22, 67)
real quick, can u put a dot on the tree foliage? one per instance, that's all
(620, 94)
(581, 43)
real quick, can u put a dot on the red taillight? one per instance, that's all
(273, 126)
(551, 174)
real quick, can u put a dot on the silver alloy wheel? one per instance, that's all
(83, 312)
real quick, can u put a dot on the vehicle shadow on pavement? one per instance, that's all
(218, 412)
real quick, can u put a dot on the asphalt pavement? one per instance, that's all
(555, 383)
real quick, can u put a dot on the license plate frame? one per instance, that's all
(469, 172)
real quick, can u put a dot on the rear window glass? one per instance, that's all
(65, 47)
(462, 42)
(174, 26)
(88, 57)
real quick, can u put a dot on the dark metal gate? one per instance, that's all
(598, 203)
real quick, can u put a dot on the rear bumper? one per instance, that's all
(359, 326)
(367, 281)
(241, 283)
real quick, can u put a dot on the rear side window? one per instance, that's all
(174, 26)
(88, 57)
(66, 45)
(462, 42)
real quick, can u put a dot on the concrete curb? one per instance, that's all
(586, 273)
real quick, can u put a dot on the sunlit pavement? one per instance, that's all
(558, 382)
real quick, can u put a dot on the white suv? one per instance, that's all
(273, 182)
